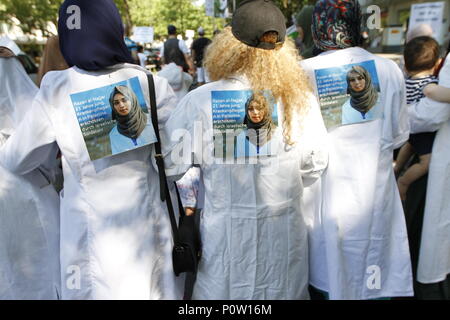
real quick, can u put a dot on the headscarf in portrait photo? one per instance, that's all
(261, 132)
(135, 121)
(364, 100)
(97, 42)
(337, 24)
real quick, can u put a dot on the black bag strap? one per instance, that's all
(164, 188)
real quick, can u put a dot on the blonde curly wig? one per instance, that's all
(277, 70)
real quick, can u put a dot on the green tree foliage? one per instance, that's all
(32, 14)
(288, 7)
(184, 14)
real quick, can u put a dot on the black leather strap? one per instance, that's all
(164, 188)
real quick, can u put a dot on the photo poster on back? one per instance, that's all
(244, 123)
(349, 93)
(114, 118)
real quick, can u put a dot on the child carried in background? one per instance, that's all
(421, 59)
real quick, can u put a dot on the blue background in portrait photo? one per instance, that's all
(339, 84)
(102, 94)
(94, 115)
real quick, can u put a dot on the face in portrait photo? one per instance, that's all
(258, 119)
(131, 119)
(364, 95)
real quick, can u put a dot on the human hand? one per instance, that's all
(189, 211)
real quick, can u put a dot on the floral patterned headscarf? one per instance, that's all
(336, 24)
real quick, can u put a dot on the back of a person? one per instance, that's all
(361, 223)
(172, 53)
(100, 214)
(252, 228)
(115, 235)
(255, 205)
(199, 47)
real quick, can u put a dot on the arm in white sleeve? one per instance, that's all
(398, 109)
(32, 144)
(177, 139)
(314, 145)
(428, 115)
(166, 100)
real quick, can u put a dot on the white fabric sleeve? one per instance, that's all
(183, 47)
(396, 99)
(32, 144)
(314, 145)
(428, 115)
(161, 52)
(166, 100)
(177, 137)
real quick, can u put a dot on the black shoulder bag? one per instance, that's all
(187, 247)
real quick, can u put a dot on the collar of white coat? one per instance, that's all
(352, 50)
(240, 78)
(111, 68)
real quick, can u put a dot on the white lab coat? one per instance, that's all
(252, 229)
(426, 116)
(116, 239)
(29, 226)
(358, 239)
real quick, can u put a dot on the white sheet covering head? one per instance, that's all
(17, 91)
(179, 80)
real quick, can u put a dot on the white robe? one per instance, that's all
(29, 226)
(252, 229)
(116, 239)
(358, 239)
(426, 116)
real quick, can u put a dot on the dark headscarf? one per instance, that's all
(337, 24)
(260, 132)
(134, 123)
(364, 100)
(304, 20)
(99, 41)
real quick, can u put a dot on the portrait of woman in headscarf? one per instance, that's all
(260, 127)
(132, 127)
(363, 97)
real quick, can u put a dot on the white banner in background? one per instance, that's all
(431, 13)
(142, 34)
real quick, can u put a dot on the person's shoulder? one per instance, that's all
(53, 77)
(55, 82)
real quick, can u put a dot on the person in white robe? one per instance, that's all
(252, 224)
(358, 238)
(29, 217)
(116, 240)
